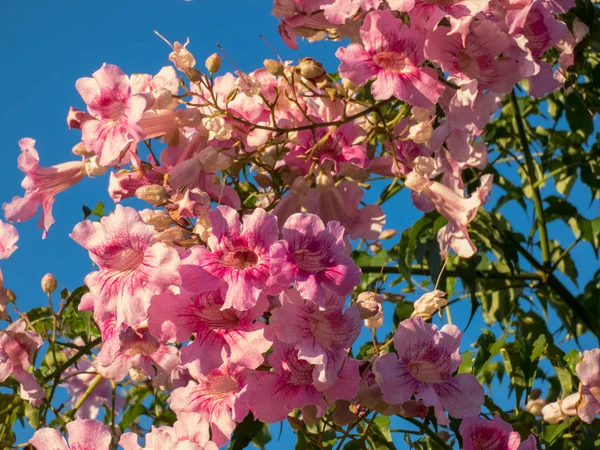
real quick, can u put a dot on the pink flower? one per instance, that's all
(116, 112)
(588, 371)
(221, 398)
(219, 334)
(238, 260)
(392, 57)
(322, 337)
(314, 258)
(185, 434)
(291, 386)
(83, 434)
(475, 58)
(135, 352)
(479, 433)
(339, 148)
(133, 266)
(77, 380)
(341, 204)
(8, 239)
(426, 360)
(427, 13)
(17, 347)
(41, 185)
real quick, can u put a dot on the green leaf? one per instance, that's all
(247, 431)
(131, 414)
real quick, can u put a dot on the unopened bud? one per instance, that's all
(80, 150)
(309, 68)
(535, 394)
(370, 309)
(342, 415)
(137, 375)
(48, 283)
(562, 409)
(349, 85)
(12, 297)
(535, 406)
(262, 180)
(443, 435)
(153, 193)
(375, 248)
(309, 415)
(273, 67)
(429, 303)
(193, 74)
(324, 180)
(213, 63)
(387, 234)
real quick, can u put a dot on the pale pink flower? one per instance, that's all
(116, 112)
(8, 239)
(291, 385)
(339, 148)
(17, 348)
(83, 435)
(322, 337)
(128, 350)
(427, 14)
(313, 257)
(426, 360)
(393, 58)
(588, 371)
(158, 89)
(185, 434)
(475, 58)
(133, 266)
(341, 204)
(563, 409)
(41, 185)
(220, 335)
(479, 433)
(220, 398)
(238, 260)
(78, 379)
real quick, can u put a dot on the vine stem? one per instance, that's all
(429, 432)
(424, 270)
(85, 395)
(533, 182)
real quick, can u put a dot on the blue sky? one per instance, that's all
(47, 46)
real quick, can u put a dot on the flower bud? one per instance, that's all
(137, 375)
(535, 394)
(342, 415)
(387, 234)
(213, 63)
(309, 415)
(262, 180)
(181, 56)
(443, 435)
(309, 68)
(193, 74)
(80, 150)
(48, 283)
(535, 406)
(159, 219)
(153, 194)
(324, 180)
(370, 309)
(349, 85)
(375, 248)
(273, 67)
(429, 303)
(562, 409)
(12, 297)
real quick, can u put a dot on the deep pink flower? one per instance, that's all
(427, 14)
(392, 57)
(238, 260)
(339, 148)
(17, 346)
(41, 185)
(426, 360)
(185, 434)
(341, 204)
(322, 337)
(83, 435)
(116, 112)
(479, 433)
(219, 334)
(133, 351)
(133, 266)
(477, 57)
(220, 398)
(313, 257)
(588, 371)
(8, 239)
(291, 385)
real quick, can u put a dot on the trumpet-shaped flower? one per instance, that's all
(219, 334)
(133, 266)
(220, 398)
(479, 433)
(426, 360)
(83, 435)
(41, 185)
(238, 260)
(313, 257)
(391, 52)
(588, 371)
(322, 337)
(8, 239)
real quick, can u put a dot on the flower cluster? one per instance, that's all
(233, 298)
